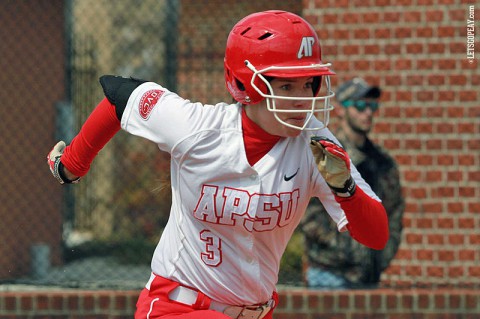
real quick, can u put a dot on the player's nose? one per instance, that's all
(301, 104)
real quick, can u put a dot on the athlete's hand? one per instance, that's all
(56, 166)
(334, 165)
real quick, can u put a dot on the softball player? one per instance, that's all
(242, 174)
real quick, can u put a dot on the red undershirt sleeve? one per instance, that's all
(367, 219)
(98, 129)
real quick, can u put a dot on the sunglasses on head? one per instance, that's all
(361, 105)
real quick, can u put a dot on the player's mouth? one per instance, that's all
(296, 120)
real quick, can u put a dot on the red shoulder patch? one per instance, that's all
(148, 102)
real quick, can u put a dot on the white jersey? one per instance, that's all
(229, 222)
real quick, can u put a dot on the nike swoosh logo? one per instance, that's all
(287, 178)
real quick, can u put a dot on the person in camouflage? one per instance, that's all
(334, 259)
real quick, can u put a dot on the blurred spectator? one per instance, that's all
(334, 259)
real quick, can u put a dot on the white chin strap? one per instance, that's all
(322, 113)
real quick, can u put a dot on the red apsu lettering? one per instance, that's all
(257, 212)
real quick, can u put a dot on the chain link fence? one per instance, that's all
(101, 232)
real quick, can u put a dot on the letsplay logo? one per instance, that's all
(148, 102)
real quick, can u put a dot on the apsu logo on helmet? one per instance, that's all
(306, 47)
(148, 102)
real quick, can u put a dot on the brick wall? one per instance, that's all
(429, 120)
(294, 304)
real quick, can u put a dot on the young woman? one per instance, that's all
(241, 174)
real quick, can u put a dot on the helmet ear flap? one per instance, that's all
(255, 97)
(247, 94)
(234, 86)
(240, 85)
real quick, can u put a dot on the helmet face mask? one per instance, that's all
(275, 44)
(323, 111)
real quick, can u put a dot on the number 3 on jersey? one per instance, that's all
(212, 256)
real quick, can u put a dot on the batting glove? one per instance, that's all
(334, 165)
(56, 166)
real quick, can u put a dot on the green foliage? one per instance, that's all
(291, 268)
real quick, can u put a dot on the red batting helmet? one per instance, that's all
(273, 44)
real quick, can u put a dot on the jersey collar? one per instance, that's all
(256, 140)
